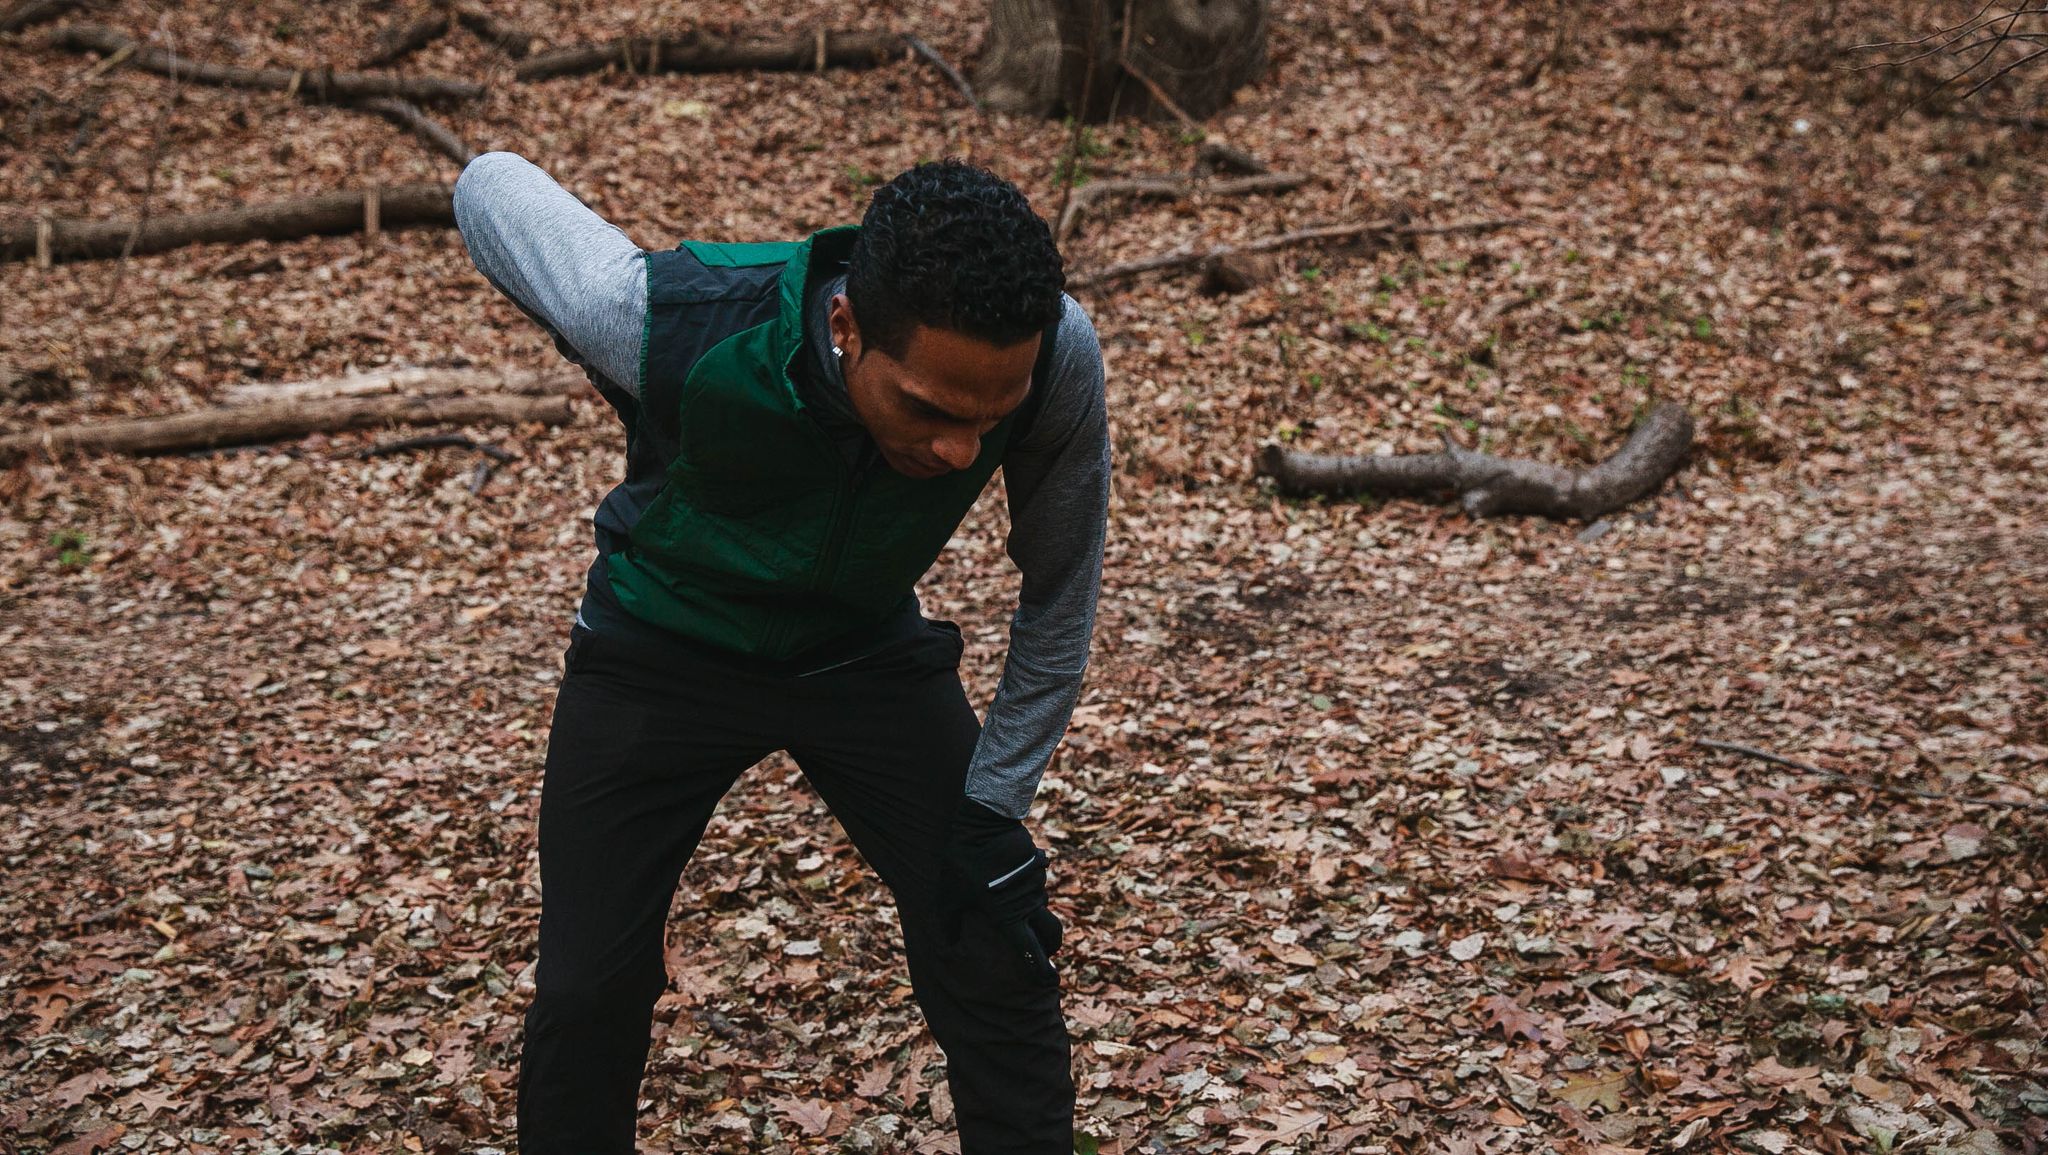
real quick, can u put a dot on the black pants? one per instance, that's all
(647, 736)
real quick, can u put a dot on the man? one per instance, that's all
(806, 424)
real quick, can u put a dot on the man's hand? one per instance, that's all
(999, 871)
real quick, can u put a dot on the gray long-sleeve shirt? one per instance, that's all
(585, 282)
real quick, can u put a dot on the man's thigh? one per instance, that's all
(886, 742)
(641, 749)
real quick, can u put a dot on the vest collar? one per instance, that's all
(826, 249)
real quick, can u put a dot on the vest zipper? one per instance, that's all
(842, 519)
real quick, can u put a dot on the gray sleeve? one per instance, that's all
(1058, 482)
(582, 279)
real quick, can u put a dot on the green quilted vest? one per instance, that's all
(761, 539)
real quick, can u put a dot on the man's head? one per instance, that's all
(952, 280)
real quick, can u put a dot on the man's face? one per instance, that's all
(928, 410)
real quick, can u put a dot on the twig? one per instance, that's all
(436, 441)
(1159, 94)
(478, 477)
(1172, 187)
(1872, 783)
(1184, 256)
(2022, 949)
(408, 116)
(931, 54)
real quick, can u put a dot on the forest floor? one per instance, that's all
(1379, 828)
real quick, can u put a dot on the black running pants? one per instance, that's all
(648, 734)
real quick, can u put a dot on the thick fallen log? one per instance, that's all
(279, 421)
(412, 381)
(699, 52)
(1184, 257)
(1489, 485)
(316, 84)
(342, 212)
(34, 12)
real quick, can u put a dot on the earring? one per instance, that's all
(838, 352)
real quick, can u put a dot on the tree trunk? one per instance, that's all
(1103, 58)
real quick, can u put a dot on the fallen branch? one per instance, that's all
(342, 212)
(1181, 258)
(412, 382)
(34, 12)
(316, 84)
(398, 41)
(1167, 187)
(1214, 155)
(931, 54)
(478, 477)
(402, 40)
(698, 52)
(283, 420)
(409, 117)
(510, 39)
(1872, 783)
(1491, 485)
(435, 441)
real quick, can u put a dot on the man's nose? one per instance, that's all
(958, 449)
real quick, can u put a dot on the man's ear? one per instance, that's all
(845, 330)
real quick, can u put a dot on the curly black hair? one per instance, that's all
(955, 246)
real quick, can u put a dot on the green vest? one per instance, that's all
(761, 538)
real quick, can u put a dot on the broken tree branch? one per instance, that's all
(341, 212)
(1169, 187)
(1181, 258)
(316, 84)
(1872, 783)
(409, 117)
(508, 38)
(1490, 485)
(402, 40)
(435, 441)
(278, 421)
(931, 54)
(699, 52)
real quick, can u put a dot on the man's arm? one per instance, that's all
(579, 277)
(1058, 483)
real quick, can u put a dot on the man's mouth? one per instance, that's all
(913, 468)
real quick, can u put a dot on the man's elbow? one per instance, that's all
(469, 186)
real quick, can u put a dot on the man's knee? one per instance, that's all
(584, 997)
